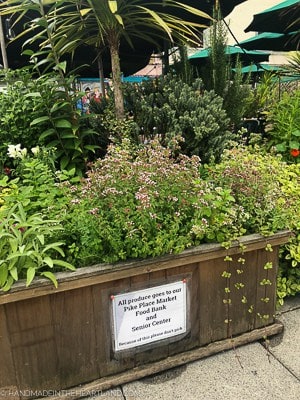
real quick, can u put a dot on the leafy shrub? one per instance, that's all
(145, 202)
(31, 205)
(267, 189)
(18, 110)
(284, 126)
(168, 107)
(35, 182)
(42, 111)
(28, 247)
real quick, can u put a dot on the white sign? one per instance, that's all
(148, 315)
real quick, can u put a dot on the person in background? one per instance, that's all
(86, 99)
(96, 95)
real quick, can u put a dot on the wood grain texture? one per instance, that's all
(106, 272)
(8, 380)
(63, 338)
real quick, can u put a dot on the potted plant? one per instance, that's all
(174, 261)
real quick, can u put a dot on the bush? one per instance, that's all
(146, 202)
(143, 201)
(267, 189)
(167, 108)
(284, 126)
(42, 111)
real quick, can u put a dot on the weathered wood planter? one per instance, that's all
(68, 342)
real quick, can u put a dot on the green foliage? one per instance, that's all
(167, 108)
(35, 184)
(109, 128)
(145, 202)
(267, 189)
(219, 64)
(265, 94)
(259, 183)
(284, 129)
(182, 68)
(27, 248)
(42, 113)
(17, 110)
(31, 209)
(218, 75)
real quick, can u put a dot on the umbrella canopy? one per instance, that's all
(273, 41)
(245, 56)
(254, 68)
(282, 18)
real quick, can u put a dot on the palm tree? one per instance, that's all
(104, 23)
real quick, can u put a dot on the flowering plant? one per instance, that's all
(146, 202)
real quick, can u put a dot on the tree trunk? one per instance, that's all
(3, 46)
(116, 78)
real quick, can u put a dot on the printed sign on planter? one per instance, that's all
(148, 315)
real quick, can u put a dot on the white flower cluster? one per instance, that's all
(15, 151)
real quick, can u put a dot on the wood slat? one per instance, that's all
(103, 273)
(60, 338)
(191, 340)
(33, 344)
(73, 324)
(241, 318)
(8, 380)
(213, 312)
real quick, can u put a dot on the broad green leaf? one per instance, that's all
(63, 123)
(50, 276)
(3, 274)
(294, 144)
(65, 264)
(48, 260)
(91, 147)
(33, 94)
(47, 133)
(14, 273)
(54, 246)
(281, 147)
(68, 135)
(57, 106)
(64, 162)
(22, 248)
(296, 132)
(8, 284)
(30, 275)
(41, 238)
(39, 120)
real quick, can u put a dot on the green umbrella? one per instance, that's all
(273, 41)
(282, 18)
(246, 56)
(254, 68)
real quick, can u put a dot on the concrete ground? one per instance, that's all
(251, 372)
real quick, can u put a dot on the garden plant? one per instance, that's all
(167, 174)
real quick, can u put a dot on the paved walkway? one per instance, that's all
(251, 372)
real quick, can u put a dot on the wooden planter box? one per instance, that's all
(63, 342)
